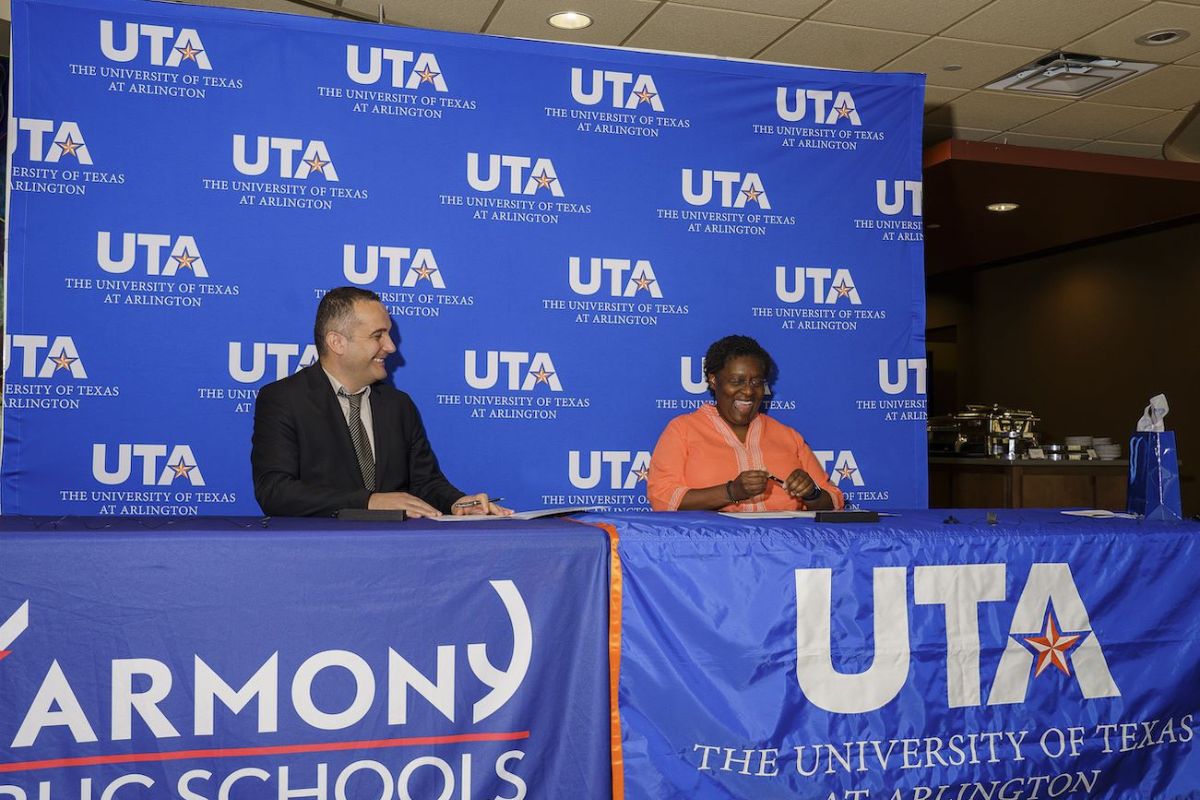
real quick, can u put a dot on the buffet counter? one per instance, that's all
(961, 482)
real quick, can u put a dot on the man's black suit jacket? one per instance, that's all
(303, 459)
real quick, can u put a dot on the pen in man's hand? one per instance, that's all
(777, 480)
(471, 503)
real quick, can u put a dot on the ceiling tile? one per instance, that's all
(1155, 131)
(1037, 23)
(1192, 60)
(928, 16)
(940, 95)
(981, 62)
(1123, 149)
(1117, 39)
(795, 9)
(820, 44)
(1089, 120)
(691, 29)
(612, 20)
(464, 15)
(939, 133)
(981, 109)
(284, 6)
(1030, 140)
(1170, 87)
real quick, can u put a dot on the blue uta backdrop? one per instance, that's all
(558, 231)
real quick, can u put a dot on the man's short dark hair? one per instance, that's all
(336, 311)
(725, 350)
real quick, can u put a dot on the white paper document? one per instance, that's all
(536, 513)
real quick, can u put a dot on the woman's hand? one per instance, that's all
(750, 483)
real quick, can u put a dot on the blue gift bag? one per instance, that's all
(1154, 476)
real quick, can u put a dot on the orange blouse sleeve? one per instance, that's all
(665, 484)
(810, 464)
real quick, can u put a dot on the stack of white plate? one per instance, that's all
(1105, 449)
(1083, 442)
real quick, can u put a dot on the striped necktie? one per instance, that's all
(358, 435)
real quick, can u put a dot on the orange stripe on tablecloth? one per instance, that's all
(614, 658)
(265, 750)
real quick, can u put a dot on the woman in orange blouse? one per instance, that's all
(729, 456)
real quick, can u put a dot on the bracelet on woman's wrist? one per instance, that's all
(813, 495)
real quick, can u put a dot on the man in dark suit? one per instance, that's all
(335, 436)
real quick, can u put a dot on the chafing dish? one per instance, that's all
(981, 430)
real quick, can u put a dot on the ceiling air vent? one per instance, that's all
(1070, 75)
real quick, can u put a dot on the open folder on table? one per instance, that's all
(536, 513)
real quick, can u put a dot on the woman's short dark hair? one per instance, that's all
(724, 350)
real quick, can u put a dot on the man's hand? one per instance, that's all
(402, 501)
(478, 504)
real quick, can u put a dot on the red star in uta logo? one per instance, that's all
(544, 180)
(69, 147)
(316, 164)
(427, 75)
(644, 96)
(181, 469)
(423, 272)
(185, 259)
(843, 110)
(846, 472)
(188, 52)
(751, 194)
(62, 362)
(1051, 648)
(842, 289)
(542, 376)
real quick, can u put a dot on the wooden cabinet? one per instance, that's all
(995, 483)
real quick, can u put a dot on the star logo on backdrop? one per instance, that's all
(645, 96)
(751, 195)
(427, 75)
(1051, 647)
(63, 362)
(542, 375)
(544, 180)
(181, 469)
(316, 164)
(843, 290)
(188, 52)
(843, 110)
(642, 473)
(643, 283)
(69, 146)
(846, 472)
(185, 259)
(423, 272)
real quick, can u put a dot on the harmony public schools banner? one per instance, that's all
(912, 662)
(558, 232)
(208, 660)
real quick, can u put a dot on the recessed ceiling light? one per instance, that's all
(952, 67)
(1002, 207)
(1168, 36)
(569, 20)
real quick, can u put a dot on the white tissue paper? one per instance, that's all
(1152, 417)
